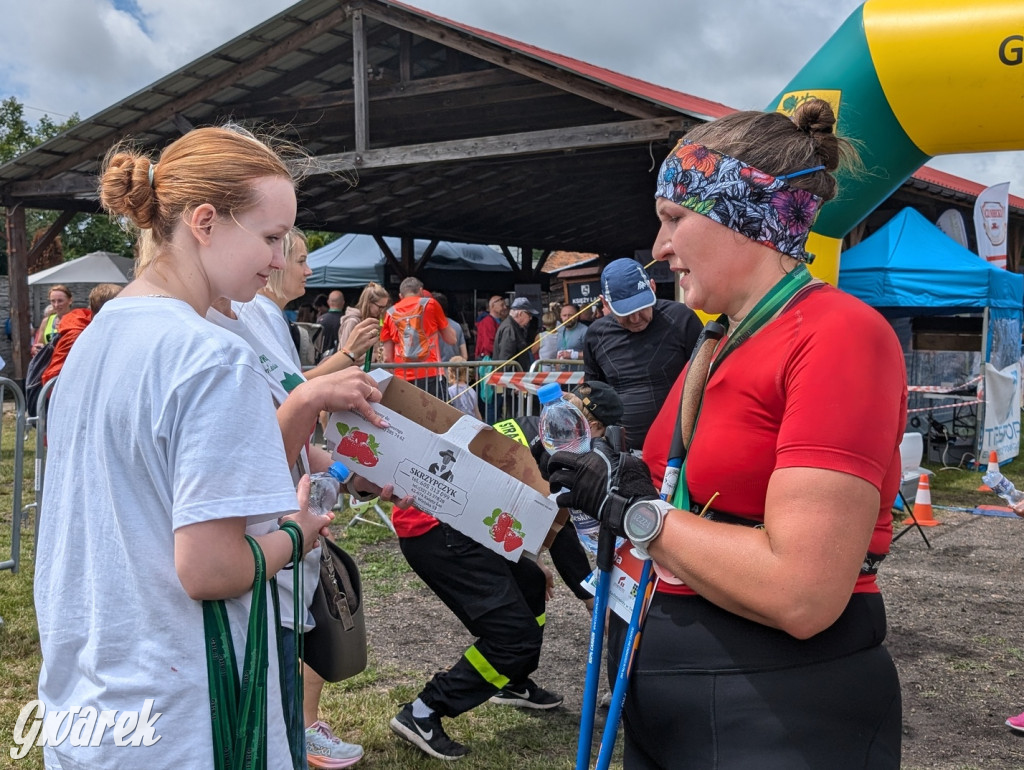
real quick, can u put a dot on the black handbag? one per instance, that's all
(336, 647)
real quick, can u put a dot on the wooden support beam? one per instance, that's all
(64, 187)
(516, 267)
(484, 79)
(48, 237)
(17, 270)
(360, 82)
(408, 256)
(540, 262)
(427, 254)
(521, 144)
(389, 256)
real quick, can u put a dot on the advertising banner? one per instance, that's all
(990, 223)
(1002, 412)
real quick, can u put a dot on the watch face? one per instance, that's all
(641, 522)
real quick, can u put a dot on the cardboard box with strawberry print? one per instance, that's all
(457, 468)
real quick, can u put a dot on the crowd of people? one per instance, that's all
(763, 644)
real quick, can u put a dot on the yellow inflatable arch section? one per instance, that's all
(910, 80)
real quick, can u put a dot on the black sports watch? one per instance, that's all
(643, 521)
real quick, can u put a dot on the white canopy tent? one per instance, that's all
(97, 267)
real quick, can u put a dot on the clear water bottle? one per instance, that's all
(1003, 487)
(562, 427)
(325, 488)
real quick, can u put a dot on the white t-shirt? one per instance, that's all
(263, 326)
(159, 420)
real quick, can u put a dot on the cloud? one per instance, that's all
(64, 56)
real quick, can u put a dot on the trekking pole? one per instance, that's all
(605, 561)
(645, 589)
(629, 647)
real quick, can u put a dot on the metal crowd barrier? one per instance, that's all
(499, 402)
(16, 468)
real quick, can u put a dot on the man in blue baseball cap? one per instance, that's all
(639, 346)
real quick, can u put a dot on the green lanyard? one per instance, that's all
(238, 710)
(239, 713)
(766, 309)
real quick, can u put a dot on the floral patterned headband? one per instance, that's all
(755, 204)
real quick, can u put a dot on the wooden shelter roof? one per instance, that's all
(447, 131)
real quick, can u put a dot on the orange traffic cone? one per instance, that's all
(922, 511)
(993, 465)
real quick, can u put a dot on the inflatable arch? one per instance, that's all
(910, 80)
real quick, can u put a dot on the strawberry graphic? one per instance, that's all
(512, 541)
(365, 455)
(360, 437)
(349, 447)
(502, 526)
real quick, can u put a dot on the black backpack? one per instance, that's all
(34, 377)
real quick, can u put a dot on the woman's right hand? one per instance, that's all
(313, 525)
(363, 337)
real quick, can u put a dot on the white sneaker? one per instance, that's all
(325, 749)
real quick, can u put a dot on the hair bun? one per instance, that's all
(815, 116)
(125, 189)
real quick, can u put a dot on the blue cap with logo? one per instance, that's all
(626, 287)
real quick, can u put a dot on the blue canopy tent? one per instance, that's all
(911, 268)
(354, 260)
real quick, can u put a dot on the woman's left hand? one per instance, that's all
(348, 390)
(602, 483)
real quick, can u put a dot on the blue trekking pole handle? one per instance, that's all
(629, 645)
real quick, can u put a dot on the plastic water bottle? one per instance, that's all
(325, 488)
(1003, 487)
(562, 427)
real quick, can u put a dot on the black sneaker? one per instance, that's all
(527, 695)
(427, 734)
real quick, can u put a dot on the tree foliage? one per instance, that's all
(86, 232)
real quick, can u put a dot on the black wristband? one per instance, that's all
(613, 510)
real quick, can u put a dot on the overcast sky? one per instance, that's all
(63, 56)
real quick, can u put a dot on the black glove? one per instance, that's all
(541, 455)
(602, 483)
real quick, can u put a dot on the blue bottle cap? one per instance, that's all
(340, 472)
(550, 392)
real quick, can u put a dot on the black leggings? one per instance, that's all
(712, 691)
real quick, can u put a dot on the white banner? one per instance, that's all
(990, 223)
(951, 222)
(1002, 412)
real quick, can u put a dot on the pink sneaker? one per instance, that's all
(1017, 722)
